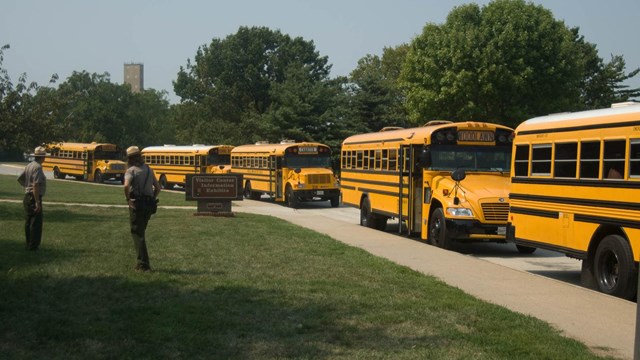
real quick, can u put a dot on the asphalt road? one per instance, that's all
(544, 263)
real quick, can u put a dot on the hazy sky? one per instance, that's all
(55, 36)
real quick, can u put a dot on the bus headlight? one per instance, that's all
(300, 186)
(460, 212)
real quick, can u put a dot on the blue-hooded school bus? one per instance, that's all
(445, 181)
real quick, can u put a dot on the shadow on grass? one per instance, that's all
(14, 257)
(138, 317)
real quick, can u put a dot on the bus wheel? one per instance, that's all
(247, 190)
(525, 249)
(163, 182)
(367, 218)
(335, 201)
(615, 271)
(438, 230)
(97, 177)
(290, 198)
(56, 173)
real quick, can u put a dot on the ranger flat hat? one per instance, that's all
(133, 151)
(39, 151)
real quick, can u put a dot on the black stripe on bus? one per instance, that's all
(574, 182)
(373, 182)
(577, 254)
(601, 220)
(377, 172)
(581, 127)
(534, 212)
(348, 187)
(380, 192)
(575, 201)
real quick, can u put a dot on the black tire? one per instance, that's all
(614, 269)
(163, 182)
(525, 249)
(438, 230)
(335, 201)
(290, 198)
(57, 174)
(247, 190)
(367, 218)
(97, 177)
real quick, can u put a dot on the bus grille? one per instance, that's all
(117, 166)
(319, 178)
(495, 211)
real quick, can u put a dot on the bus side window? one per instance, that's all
(566, 158)
(613, 159)
(634, 158)
(589, 159)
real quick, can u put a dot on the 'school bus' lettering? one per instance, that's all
(172, 163)
(289, 172)
(575, 182)
(407, 174)
(85, 161)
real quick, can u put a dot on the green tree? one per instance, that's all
(257, 84)
(378, 99)
(507, 61)
(22, 120)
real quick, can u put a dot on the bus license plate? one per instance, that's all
(502, 230)
(320, 192)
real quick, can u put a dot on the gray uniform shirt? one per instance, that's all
(33, 174)
(141, 185)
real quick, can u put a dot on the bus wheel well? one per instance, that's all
(435, 204)
(600, 234)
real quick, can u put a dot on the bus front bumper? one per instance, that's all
(323, 194)
(475, 231)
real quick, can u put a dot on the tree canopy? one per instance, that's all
(506, 62)
(256, 84)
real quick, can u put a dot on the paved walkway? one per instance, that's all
(606, 324)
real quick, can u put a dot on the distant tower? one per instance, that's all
(134, 76)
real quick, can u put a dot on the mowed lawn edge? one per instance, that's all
(249, 287)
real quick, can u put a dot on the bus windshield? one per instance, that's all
(470, 158)
(303, 161)
(107, 155)
(215, 159)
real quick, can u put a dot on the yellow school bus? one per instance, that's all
(85, 161)
(575, 185)
(290, 172)
(172, 163)
(445, 181)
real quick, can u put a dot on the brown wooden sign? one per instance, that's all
(213, 187)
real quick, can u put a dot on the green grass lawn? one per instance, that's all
(248, 287)
(73, 191)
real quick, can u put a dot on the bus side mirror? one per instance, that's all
(458, 175)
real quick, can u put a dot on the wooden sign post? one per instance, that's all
(214, 192)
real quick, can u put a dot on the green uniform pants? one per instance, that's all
(32, 223)
(138, 219)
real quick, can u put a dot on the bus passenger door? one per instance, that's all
(275, 177)
(88, 161)
(411, 204)
(415, 191)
